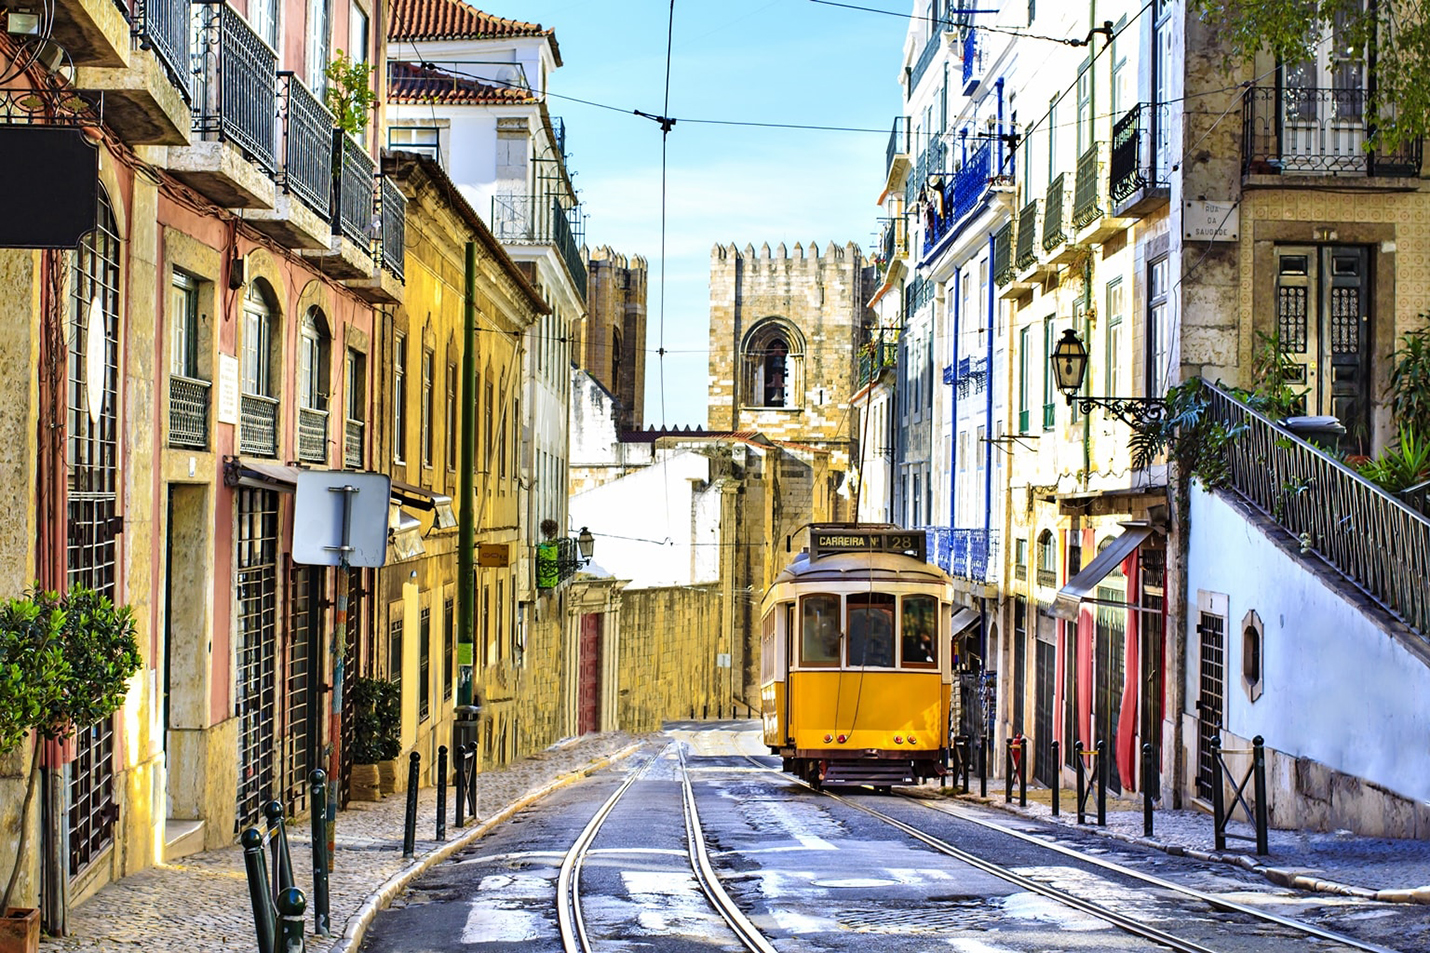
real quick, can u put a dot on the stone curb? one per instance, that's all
(357, 925)
(1277, 875)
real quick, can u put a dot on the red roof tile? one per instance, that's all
(456, 20)
(411, 83)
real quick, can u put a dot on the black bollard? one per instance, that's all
(1008, 772)
(1022, 771)
(409, 821)
(441, 792)
(1146, 790)
(967, 763)
(1102, 784)
(322, 919)
(459, 770)
(1057, 778)
(291, 905)
(1258, 765)
(983, 767)
(278, 838)
(1218, 808)
(258, 890)
(1081, 772)
(472, 779)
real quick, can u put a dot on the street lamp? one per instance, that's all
(1069, 360)
(585, 544)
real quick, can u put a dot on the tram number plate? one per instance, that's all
(828, 542)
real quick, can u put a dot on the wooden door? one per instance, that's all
(589, 693)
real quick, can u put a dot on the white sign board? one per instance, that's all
(227, 389)
(722, 660)
(319, 510)
(1211, 221)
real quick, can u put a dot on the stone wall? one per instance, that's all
(616, 311)
(670, 639)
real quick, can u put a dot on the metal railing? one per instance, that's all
(558, 126)
(312, 435)
(307, 145)
(1046, 577)
(1027, 252)
(1373, 539)
(392, 210)
(556, 561)
(353, 190)
(235, 82)
(925, 59)
(1020, 571)
(258, 425)
(1053, 207)
(972, 60)
(1087, 204)
(961, 195)
(963, 552)
(1003, 255)
(1418, 498)
(353, 455)
(166, 27)
(899, 137)
(1315, 131)
(1133, 164)
(878, 354)
(188, 412)
(539, 219)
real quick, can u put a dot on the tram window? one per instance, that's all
(871, 629)
(918, 630)
(819, 630)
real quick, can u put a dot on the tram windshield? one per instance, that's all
(918, 631)
(819, 630)
(871, 629)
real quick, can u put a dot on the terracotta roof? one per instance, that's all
(411, 83)
(455, 20)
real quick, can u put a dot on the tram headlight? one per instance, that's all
(828, 739)
(843, 738)
(898, 739)
(912, 741)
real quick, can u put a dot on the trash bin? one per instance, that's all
(466, 724)
(1322, 431)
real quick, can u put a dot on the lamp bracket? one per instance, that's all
(1139, 413)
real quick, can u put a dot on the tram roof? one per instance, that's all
(848, 566)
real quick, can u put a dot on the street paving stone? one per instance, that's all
(200, 903)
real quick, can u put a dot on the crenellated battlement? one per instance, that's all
(752, 259)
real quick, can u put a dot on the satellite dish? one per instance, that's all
(511, 77)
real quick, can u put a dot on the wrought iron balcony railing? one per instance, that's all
(876, 355)
(258, 425)
(188, 412)
(966, 553)
(235, 82)
(392, 210)
(1046, 577)
(1133, 165)
(899, 142)
(312, 435)
(354, 455)
(972, 60)
(925, 59)
(1026, 254)
(961, 196)
(1003, 255)
(539, 219)
(1053, 207)
(1020, 572)
(1087, 200)
(1314, 131)
(1374, 540)
(353, 184)
(166, 27)
(307, 145)
(556, 561)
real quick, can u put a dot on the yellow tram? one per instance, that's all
(856, 666)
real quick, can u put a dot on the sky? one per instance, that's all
(759, 61)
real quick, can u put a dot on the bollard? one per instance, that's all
(1218, 808)
(1081, 783)
(291, 904)
(322, 920)
(1146, 790)
(441, 792)
(1258, 765)
(1022, 771)
(459, 770)
(983, 766)
(472, 779)
(1008, 772)
(278, 837)
(258, 890)
(1102, 784)
(967, 763)
(409, 821)
(1057, 778)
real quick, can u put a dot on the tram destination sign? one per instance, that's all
(829, 541)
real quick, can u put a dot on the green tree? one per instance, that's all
(65, 661)
(1395, 32)
(349, 96)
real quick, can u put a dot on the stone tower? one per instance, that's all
(611, 340)
(784, 334)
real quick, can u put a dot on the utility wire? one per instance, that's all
(1008, 31)
(665, 127)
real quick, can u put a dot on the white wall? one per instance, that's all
(1337, 689)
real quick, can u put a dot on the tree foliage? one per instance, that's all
(1395, 32)
(349, 95)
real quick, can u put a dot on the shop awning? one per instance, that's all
(406, 494)
(962, 619)
(1070, 596)
(260, 475)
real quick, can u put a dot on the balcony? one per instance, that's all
(556, 561)
(258, 425)
(354, 456)
(539, 220)
(896, 157)
(1136, 184)
(1377, 542)
(969, 376)
(385, 287)
(146, 93)
(876, 355)
(1046, 578)
(312, 435)
(349, 251)
(925, 60)
(973, 61)
(1020, 571)
(93, 32)
(301, 216)
(188, 413)
(1003, 255)
(1027, 266)
(969, 187)
(1310, 132)
(235, 102)
(1054, 208)
(970, 554)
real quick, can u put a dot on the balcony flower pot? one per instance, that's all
(20, 930)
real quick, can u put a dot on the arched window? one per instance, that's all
(313, 340)
(1047, 559)
(773, 363)
(258, 425)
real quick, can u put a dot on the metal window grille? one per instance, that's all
(394, 651)
(257, 587)
(300, 706)
(1110, 662)
(1212, 629)
(1020, 661)
(1046, 664)
(188, 412)
(312, 435)
(424, 667)
(1070, 726)
(449, 647)
(353, 666)
(92, 521)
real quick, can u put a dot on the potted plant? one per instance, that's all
(65, 662)
(377, 726)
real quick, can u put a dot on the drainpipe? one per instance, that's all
(988, 445)
(953, 440)
(1002, 145)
